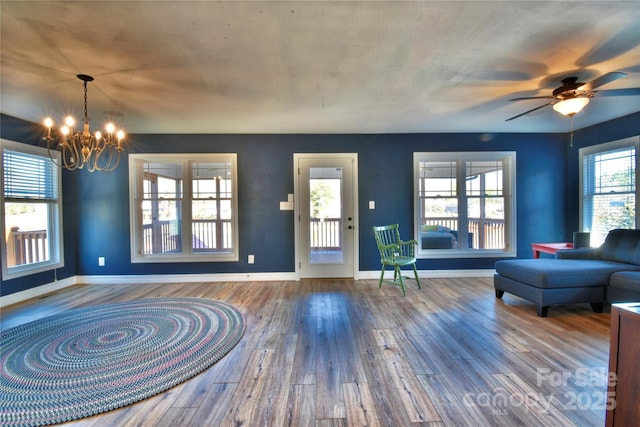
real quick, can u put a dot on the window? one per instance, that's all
(609, 187)
(465, 204)
(31, 208)
(183, 207)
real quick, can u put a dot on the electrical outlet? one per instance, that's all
(372, 204)
(100, 261)
(251, 259)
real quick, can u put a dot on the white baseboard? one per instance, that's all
(187, 278)
(37, 291)
(193, 278)
(434, 274)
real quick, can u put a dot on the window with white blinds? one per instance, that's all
(28, 176)
(609, 187)
(31, 208)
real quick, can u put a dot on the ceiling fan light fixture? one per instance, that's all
(572, 106)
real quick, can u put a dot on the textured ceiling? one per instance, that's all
(315, 67)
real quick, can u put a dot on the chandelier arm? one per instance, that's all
(74, 152)
(64, 156)
(118, 155)
(102, 144)
(91, 167)
(66, 153)
(58, 163)
(95, 164)
(115, 153)
(112, 153)
(65, 161)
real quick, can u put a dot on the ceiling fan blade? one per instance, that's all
(532, 97)
(602, 80)
(530, 111)
(618, 92)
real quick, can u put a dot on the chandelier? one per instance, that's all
(79, 148)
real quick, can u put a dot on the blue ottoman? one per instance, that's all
(548, 282)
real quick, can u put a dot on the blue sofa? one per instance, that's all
(610, 273)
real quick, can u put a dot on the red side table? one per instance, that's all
(549, 248)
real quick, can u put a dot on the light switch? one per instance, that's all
(372, 204)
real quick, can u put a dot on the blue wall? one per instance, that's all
(265, 175)
(96, 206)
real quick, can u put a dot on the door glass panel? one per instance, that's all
(325, 210)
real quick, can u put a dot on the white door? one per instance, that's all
(326, 215)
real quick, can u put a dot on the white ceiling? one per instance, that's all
(316, 67)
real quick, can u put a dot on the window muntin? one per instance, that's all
(465, 204)
(609, 186)
(31, 208)
(188, 208)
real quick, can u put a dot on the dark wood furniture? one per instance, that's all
(624, 384)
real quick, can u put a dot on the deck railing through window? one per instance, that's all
(26, 247)
(325, 233)
(208, 235)
(487, 233)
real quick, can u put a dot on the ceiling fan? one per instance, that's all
(570, 98)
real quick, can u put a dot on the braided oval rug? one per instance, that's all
(95, 359)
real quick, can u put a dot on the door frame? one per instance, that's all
(296, 198)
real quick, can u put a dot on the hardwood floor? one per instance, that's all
(342, 352)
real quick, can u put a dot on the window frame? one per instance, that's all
(509, 197)
(187, 253)
(593, 150)
(55, 240)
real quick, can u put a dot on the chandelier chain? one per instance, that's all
(86, 115)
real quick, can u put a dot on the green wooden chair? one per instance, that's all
(395, 252)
